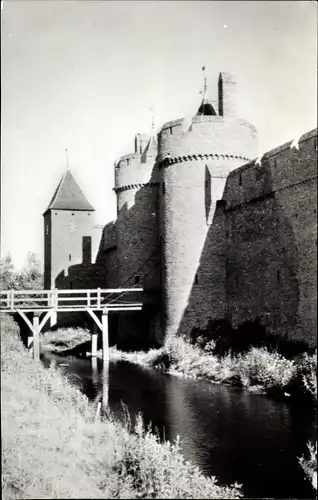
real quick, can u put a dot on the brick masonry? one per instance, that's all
(210, 232)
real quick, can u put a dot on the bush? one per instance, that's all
(268, 369)
(309, 465)
(308, 371)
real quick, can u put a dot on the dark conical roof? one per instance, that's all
(206, 108)
(68, 195)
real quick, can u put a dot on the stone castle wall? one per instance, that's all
(271, 230)
(206, 231)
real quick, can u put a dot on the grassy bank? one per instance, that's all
(258, 369)
(52, 446)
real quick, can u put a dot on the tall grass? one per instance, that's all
(53, 447)
(256, 369)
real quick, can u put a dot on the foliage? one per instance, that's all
(219, 338)
(159, 470)
(257, 369)
(309, 465)
(308, 373)
(53, 446)
(29, 278)
(261, 367)
(64, 338)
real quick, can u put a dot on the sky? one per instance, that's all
(83, 76)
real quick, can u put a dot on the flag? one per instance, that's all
(203, 68)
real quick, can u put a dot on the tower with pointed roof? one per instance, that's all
(68, 232)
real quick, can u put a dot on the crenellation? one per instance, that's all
(208, 229)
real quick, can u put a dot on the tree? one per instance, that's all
(6, 273)
(29, 278)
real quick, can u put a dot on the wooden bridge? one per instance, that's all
(45, 304)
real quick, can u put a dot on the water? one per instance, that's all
(227, 431)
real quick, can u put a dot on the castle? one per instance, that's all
(208, 230)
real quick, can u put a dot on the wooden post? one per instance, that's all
(105, 336)
(94, 343)
(30, 340)
(36, 336)
(98, 298)
(12, 299)
(53, 318)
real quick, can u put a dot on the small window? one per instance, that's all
(315, 144)
(206, 184)
(55, 213)
(240, 179)
(278, 276)
(128, 161)
(70, 257)
(73, 214)
(163, 188)
(315, 211)
(137, 280)
(170, 130)
(196, 279)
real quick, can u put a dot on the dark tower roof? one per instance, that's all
(68, 195)
(206, 108)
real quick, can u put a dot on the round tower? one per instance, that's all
(137, 229)
(137, 234)
(194, 160)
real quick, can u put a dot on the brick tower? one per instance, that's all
(194, 160)
(68, 233)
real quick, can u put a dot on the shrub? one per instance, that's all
(309, 465)
(260, 367)
(308, 369)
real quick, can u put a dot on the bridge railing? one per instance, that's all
(11, 300)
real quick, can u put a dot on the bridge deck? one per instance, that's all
(71, 300)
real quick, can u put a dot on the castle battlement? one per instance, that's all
(207, 228)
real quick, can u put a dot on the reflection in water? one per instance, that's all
(105, 384)
(227, 431)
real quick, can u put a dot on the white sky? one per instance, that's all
(83, 75)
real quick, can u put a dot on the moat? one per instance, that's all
(226, 431)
